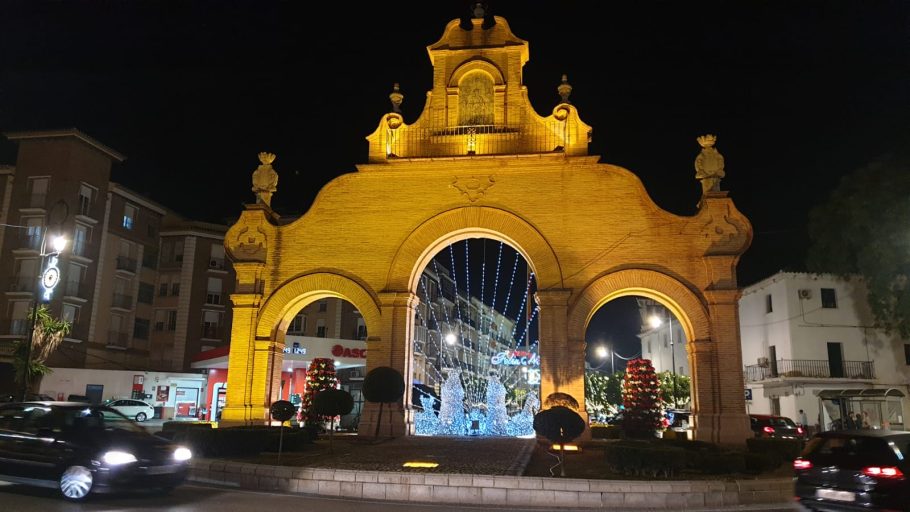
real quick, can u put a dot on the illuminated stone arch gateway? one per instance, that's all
(588, 230)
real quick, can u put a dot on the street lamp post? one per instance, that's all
(601, 352)
(48, 279)
(656, 322)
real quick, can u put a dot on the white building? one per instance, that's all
(665, 343)
(808, 342)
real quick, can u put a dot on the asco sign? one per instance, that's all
(340, 351)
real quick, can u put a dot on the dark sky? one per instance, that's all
(798, 93)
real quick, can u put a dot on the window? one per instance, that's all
(769, 305)
(213, 292)
(216, 257)
(146, 293)
(211, 320)
(81, 238)
(829, 298)
(26, 275)
(74, 280)
(172, 320)
(129, 216)
(71, 314)
(298, 325)
(323, 306)
(37, 192)
(151, 230)
(141, 329)
(175, 288)
(361, 329)
(150, 257)
(160, 319)
(86, 196)
(178, 251)
(33, 232)
(320, 328)
(907, 353)
(163, 286)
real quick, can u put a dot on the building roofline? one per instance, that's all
(783, 275)
(69, 132)
(137, 198)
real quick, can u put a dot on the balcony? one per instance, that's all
(213, 298)
(122, 301)
(18, 326)
(211, 332)
(810, 368)
(126, 263)
(30, 242)
(22, 284)
(117, 339)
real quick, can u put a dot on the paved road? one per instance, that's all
(15, 498)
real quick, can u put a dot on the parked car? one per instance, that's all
(680, 419)
(31, 396)
(81, 449)
(130, 408)
(782, 427)
(854, 470)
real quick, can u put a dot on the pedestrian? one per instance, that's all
(803, 419)
(859, 421)
(849, 424)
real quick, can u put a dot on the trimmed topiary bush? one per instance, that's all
(383, 385)
(643, 458)
(784, 449)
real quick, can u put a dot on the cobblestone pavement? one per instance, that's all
(488, 456)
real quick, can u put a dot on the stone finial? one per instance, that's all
(396, 98)
(564, 89)
(709, 165)
(265, 179)
(479, 10)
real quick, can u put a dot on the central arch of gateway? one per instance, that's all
(480, 162)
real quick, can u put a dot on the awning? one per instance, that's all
(830, 394)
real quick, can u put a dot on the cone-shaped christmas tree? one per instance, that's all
(319, 376)
(640, 396)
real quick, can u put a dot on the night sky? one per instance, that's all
(798, 93)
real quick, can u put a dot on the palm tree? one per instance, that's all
(47, 335)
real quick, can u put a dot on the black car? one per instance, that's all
(781, 427)
(80, 449)
(854, 470)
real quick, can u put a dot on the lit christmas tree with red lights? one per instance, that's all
(319, 376)
(640, 396)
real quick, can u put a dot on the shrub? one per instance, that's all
(761, 462)
(241, 441)
(606, 432)
(784, 449)
(642, 458)
(181, 426)
(720, 462)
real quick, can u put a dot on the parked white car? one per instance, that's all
(136, 409)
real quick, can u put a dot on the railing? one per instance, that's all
(18, 326)
(126, 263)
(122, 301)
(216, 263)
(479, 140)
(76, 289)
(22, 284)
(32, 241)
(813, 368)
(117, 339)
(211, 332)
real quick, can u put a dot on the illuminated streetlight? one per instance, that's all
(58, 244)
(655, 321)
(601, 351)
(450, 339)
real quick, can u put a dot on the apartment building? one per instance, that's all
(123, 250)
(809, 342)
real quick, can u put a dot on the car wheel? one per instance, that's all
(141, 417)
(76, 483)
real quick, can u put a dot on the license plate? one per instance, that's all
(830, 494)
(162, 470)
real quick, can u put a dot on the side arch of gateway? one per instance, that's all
(589, 231)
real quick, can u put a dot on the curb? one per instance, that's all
(495, 490)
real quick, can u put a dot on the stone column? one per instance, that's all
(241, 362)
(562, 361)
(394, 348)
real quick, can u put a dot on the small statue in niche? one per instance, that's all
(265, 179)
(709, 165)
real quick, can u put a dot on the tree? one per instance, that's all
(640, 397)
(683, 384)
(603, 393)
(863, 229)
(383, 385)
(559, 425)
(46, 337)
(332, 403)
(319, 377)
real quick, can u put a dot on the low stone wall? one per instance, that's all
(493, 490)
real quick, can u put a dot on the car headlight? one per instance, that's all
(116, 458)
(181, 454)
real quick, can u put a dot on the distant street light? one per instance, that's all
(450, 339)
(601, 352)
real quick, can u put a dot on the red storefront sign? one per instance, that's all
(340, 351)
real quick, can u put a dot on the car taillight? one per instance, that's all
(768, 430)
(883, 472)
(802, 464)
(800, 431)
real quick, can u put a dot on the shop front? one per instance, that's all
(299, 352)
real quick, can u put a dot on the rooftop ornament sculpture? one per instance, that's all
(265, 179)
(709, 165)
